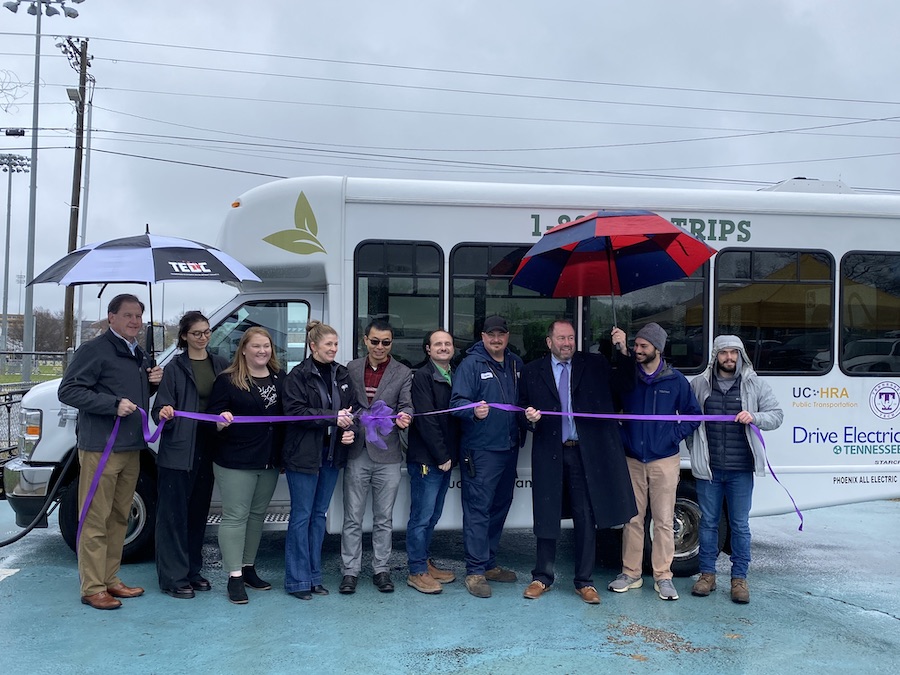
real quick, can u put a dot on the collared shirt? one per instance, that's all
(131, 345)
(444, 373)
(557, 373)
(372, 377)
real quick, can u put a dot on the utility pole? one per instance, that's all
(78, 97)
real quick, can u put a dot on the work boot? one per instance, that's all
(739, 591)
(424, 583)
(705, 585)
(478, 586)
(440, 575)
(500, 574)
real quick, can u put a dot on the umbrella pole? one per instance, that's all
(612, 291)
(151, 346)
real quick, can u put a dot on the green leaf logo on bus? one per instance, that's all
(302, 239)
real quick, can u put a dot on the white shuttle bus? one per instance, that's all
(807, 274)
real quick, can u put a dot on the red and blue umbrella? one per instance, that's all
(610, 253)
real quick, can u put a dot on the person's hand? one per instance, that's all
(227, 419)
(619, 339)
(347, 437)
(403, 420)
(125, 408)
(345, 417)
(154, 374)
(167, 412)
(532, 415)
(482, 410)
(445, 467)
(744, 417)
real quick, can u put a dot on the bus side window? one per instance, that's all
(870, 313)
(284, 320)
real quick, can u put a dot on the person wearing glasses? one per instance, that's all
(184, 463)
(370, 467)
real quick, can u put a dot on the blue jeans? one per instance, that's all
(310, 496)
(426, 502)
(736, 489)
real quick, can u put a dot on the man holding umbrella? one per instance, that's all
(109, 377)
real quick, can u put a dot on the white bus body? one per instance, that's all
(811, 282)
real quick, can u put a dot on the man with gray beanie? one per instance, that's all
(651, 387)
(725, 455)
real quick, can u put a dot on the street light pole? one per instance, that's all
(36, 7)
(12, 164)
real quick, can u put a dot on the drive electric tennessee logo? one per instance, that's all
(303, 238)
(885, 400)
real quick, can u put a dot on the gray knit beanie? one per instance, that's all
(654, 334)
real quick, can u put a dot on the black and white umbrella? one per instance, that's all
(145, 259)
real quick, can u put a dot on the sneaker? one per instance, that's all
(739, 591)
(705, 585)
(236, 591)
(424, 583)
(478, 586)
(440, 575)
(666, 589)
(623, 583)
(251, 579)
(500, 574)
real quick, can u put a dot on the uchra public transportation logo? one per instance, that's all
(885, 400)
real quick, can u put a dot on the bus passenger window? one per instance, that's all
(870, 314)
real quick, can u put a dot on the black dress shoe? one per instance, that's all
(383, 582)
(201, 584)
(302, 595)
(183, 593)
(319, 589)
(348, 585)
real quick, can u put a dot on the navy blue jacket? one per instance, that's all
(481, 378)
(668, 394)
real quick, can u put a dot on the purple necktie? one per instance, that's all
(564, 401)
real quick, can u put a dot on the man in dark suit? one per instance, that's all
(372, 469)
(579, 457)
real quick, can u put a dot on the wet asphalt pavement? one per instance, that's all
(826, 600)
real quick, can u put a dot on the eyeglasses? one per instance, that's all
(375, 342)
(197, 334)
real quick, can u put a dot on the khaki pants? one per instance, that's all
(103, 531)
(654, 482)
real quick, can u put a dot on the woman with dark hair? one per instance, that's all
(184, 462)
(314, 452)
(247, 457)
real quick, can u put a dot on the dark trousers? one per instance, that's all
(583, 518)
(486, 499)
(181, 514)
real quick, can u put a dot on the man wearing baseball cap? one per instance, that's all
(652, 387)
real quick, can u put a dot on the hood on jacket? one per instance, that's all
(729, 342)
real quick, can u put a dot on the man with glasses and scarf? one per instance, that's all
(373, 469)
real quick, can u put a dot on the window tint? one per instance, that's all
(783, 310)
(480, 276)
(285, 321)
(870, 313)
(399, 282)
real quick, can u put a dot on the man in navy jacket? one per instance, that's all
(490, 450)
(652, 387)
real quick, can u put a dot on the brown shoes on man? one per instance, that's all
(440, 575)
(501, 574)
(101, 600)
(589, 595)
(535, 590)
(120, 590)
(739, 591)
(478, 586)
(705, 585)
(424, 583)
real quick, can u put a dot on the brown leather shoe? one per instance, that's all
(589, 595)
(740, 593)
(440, 575)
(120, 590)
(101, 600)
(535, 590)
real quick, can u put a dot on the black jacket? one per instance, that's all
(305, 393)
(179, 390)
(103, 371)
(433, 439)
(247, 446)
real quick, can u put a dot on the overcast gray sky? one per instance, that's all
(197, 102)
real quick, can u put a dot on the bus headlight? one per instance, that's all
(29, 432)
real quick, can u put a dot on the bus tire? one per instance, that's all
(139, 537)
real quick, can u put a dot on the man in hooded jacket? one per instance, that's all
(725, 455)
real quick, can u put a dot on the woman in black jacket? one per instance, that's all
(314, 452)
(247, 456)
(184, 463)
